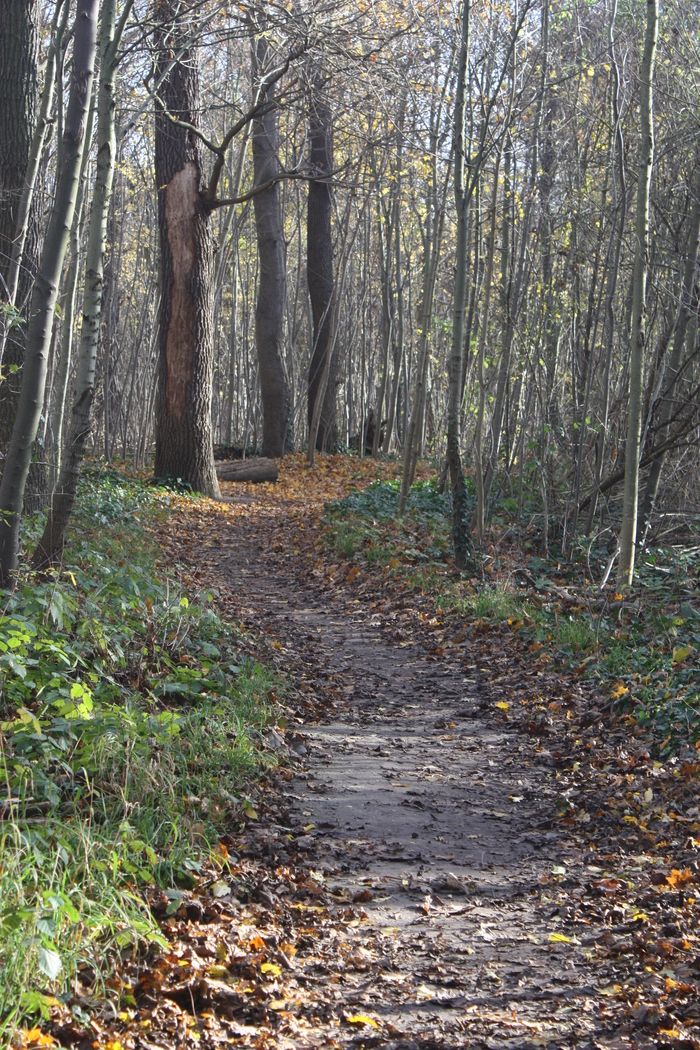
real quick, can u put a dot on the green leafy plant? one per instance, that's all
(130, 724)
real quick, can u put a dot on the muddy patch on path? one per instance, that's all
(433, 822)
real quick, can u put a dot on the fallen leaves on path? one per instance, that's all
(632, 822)
(268, 961)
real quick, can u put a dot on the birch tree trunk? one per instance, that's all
(50, 545)
(64, 356)
(45, 290)
(628, 535)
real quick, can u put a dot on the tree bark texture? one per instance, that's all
(673, 366)
(319, 264)
(460, 526)
(184, 442)
(45, 290)
(18, 75)
(255, 469)
(271, 302)
(628, 534)
(51, 543)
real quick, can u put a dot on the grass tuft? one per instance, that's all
(129, 729)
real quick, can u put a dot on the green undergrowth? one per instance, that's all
(365, 525)
(641, 650)
(129, 729)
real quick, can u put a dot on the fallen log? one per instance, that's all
(255, 469)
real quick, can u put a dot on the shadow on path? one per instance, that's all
(435, 823)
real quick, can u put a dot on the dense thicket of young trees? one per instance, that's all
(476, 223)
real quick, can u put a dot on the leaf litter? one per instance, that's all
(462, 846)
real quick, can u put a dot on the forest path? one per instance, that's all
(427, 829)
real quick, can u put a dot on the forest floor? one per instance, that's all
(461, 841)
(435, 868)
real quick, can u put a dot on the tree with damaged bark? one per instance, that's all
(184, 442)
(396, 230)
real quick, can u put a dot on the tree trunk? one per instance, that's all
(480, 509)
(18, 74)
(255, 469)
(323, 430)
(668, 404)
(460, 526)
(45, 290)
(628, 535)
(619, 219)
(271, 300)
(184, 442)
(63, 357)
(431, 235)
(51, 543)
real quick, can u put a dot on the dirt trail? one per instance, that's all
(433, 821)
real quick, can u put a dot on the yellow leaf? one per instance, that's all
(560, 938)
(503, 705)
(250, 811)
(678, 877)
(218, 971)
(362, 1019)
(272, 968)
(35, 1037)
(681, 653)
(618, 690)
